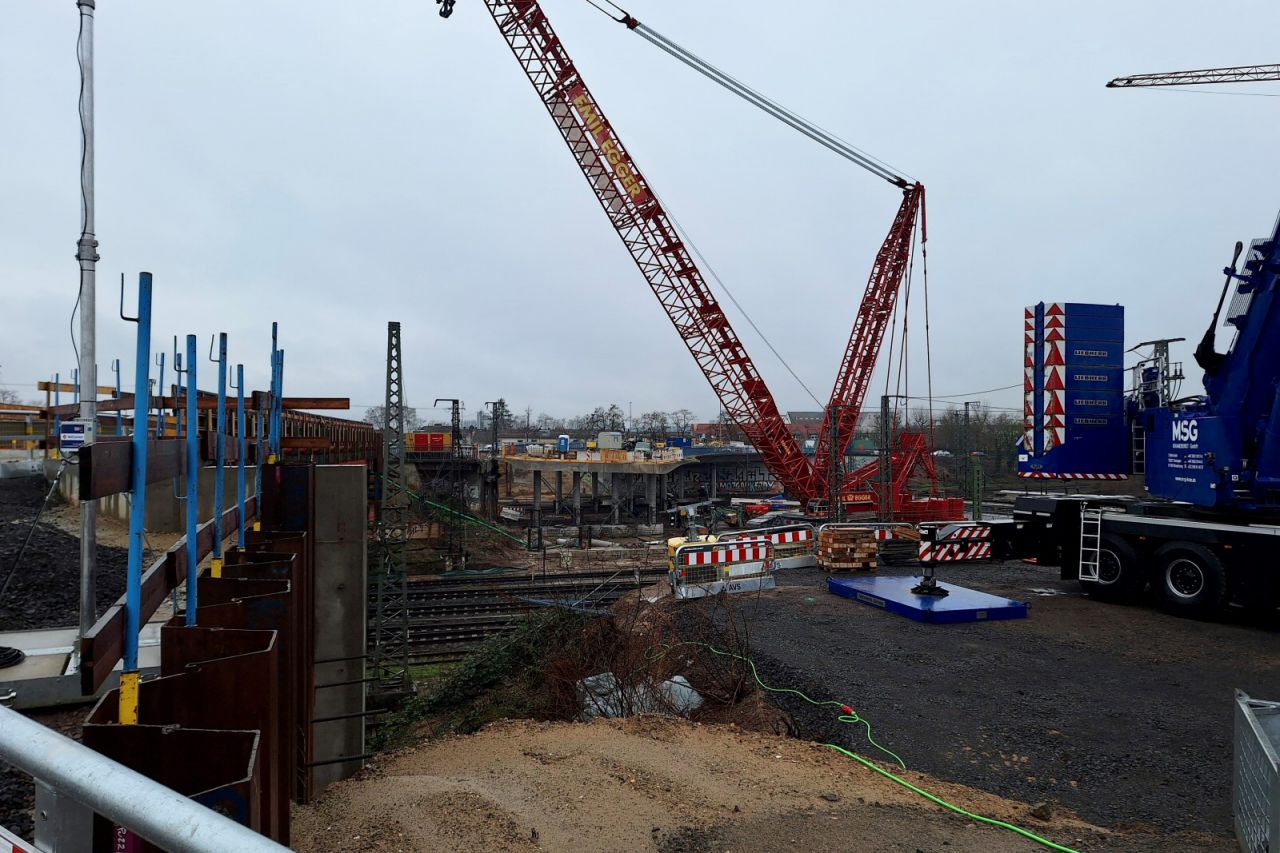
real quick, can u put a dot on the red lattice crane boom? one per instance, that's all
(666, 263)
(860, 354)
(650, 237)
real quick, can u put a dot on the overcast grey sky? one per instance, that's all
(336, 165)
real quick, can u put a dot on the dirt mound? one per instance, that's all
(657, 783)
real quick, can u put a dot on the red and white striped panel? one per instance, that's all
(790, 537)
(964, 531)
(719, 556)
(1029, 380)
(884, 533)
(953, 552)
(1055, 386)
(1042, 475)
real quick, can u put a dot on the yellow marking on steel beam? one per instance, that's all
(129, 698)
(215, 567)
(257, 527)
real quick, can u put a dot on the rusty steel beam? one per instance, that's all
(105, 465)
(102, 647)
(124, 403)
(337, 403)
(70, 388)
(305, 442)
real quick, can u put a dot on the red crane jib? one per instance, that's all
(668, 267)
(874, 314)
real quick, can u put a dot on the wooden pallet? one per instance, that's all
(849, 567)
(850, 549)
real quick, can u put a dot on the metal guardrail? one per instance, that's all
(1255, 788)
(156, 813)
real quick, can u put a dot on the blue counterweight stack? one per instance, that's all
(1073, 393)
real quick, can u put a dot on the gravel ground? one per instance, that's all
(1121, 714)
(45, 591)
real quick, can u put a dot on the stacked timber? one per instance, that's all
(847, 549)
(902, 547)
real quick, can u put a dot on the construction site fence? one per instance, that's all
(1255, 789)
(717, 562)
(793, 544)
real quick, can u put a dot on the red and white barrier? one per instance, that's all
(955, 543)
(1041, 475)
(723, 555)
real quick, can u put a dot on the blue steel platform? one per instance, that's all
(894, 594)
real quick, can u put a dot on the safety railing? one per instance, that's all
(707, 568)
(793, 544)
(1255, 788)
(131, 801)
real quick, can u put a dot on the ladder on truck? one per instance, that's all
(1090, 542)
(1139, 447)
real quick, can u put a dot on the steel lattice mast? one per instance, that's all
(389, 658)
(1238, 74)
(651, 238)
(860, 354)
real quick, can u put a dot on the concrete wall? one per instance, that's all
(165, 512)
(341, 596)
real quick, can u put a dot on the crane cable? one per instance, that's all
(684, 235)
(789, 117)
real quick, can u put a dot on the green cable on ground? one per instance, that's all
(851, 716)
(987, 820)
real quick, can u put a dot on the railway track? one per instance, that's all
(449, 617)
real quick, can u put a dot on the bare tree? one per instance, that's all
(653, 424)
(377, 415)
(9, 396)
(682, 421)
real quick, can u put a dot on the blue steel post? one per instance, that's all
(277, 408)
(57, 419)
(219, 492)
(193, 479)
(160, 387)
(177, 368)
(240, 447)
(115, 365)
(259, 449)
(137, 511)
(177, 403)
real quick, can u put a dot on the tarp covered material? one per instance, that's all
(602, 696)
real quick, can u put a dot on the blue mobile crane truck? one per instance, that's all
(1208, 534)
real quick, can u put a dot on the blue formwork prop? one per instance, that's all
(894, 595)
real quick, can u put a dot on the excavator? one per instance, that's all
(665, 261)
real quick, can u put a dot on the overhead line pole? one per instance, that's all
(87, 256)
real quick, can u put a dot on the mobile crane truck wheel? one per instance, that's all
(1192, 579)
(1120, 577)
